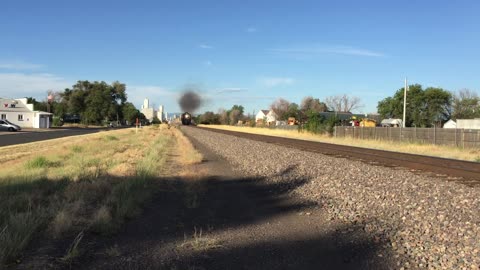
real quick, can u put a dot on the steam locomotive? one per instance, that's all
(186, 118)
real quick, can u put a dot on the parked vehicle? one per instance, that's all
(5, 125)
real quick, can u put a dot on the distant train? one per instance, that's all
(186, 118)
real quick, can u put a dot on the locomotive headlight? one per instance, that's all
(187, 116)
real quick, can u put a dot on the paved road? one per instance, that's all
(12, 138)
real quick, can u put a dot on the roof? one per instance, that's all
(391, 121)
(265, 111)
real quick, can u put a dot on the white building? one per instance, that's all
(450, 124)
(468, 123)
(150, 113)
(19, 112)
(160, 113)
(268, 115)
(147, 110)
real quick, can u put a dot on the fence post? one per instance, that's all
(434, 134)
(456, 137)
(415, 134)
(463, 138)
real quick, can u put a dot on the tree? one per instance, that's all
(155, 120)
(239, 108)
(465, 105)
(280, 107)
(37, 105)
(424, 107)
(343, 103)
(209, 118)
(223, 116)
(234, 116)
(130, 113)
(438, 104)
(293, 111)
(312, 104)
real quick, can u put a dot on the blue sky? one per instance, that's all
(239, 52)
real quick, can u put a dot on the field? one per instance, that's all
(90, 183)
(421, 149)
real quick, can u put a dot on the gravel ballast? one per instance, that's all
(427, 222)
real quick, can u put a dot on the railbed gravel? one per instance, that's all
(427, 222)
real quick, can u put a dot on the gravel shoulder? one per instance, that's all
(422, 221)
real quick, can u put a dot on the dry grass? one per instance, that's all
(89, 182)
(404, 147)
(188, 154)
(200, 242)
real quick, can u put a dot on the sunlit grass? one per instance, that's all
(404, 147)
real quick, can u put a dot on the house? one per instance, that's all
(468, 123)
(450, 124)
(19, 112)
(269, 116)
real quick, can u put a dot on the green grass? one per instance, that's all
(38, 162)
(111, 138)
(77, 149)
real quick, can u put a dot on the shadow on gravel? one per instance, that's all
(195, 209)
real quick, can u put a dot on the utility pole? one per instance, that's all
(405, 101)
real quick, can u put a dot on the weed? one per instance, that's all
(16, 234)
(111, 138)
(38, 162)
(113, 251)
(62, 222)
(477, 159)
(77, 149)
(73, 250)
(102, 220)
(200, 242)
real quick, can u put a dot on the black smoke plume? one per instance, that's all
(190, 101)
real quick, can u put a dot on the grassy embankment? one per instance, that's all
(64, 187)
(404, 147)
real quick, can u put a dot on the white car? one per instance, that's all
(5, 125)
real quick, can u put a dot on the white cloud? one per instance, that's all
(251, 30)
(16, 85)
(18, 65)
(205, 46)
(230, 90)
(276, 81)
(315, 50)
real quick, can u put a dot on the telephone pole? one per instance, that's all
(405, 101)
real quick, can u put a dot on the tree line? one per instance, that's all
(431, 106)
(426, 107)
(91, 103)
(284, 109)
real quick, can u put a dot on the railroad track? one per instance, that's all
(466, 172)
